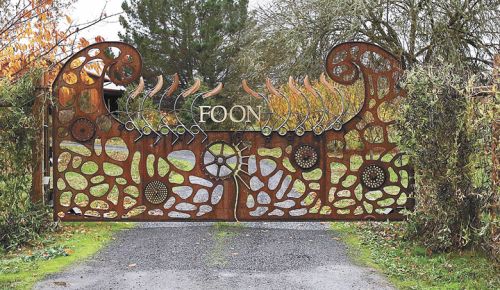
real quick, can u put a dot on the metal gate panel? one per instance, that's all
(109, 166)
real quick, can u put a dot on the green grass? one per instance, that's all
(221, 226)
(75, 242)
(410, 266)
(222, 231)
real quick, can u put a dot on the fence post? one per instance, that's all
(39, 118)
(496, 120)
(495, 145)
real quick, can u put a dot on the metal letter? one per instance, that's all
(243, 112)
(213, 117)
(251, 111)
(203, 113)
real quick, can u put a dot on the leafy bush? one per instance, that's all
(20, 226)
(20, 220)
(448, 136)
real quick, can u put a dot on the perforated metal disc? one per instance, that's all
(156, 192)
(306, 156)
(82, 129)
(373, 176)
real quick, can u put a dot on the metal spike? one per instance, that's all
(193, 89)
(275, 92)
(157, 88)
(214, 92)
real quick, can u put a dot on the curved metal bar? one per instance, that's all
(270, 113)
(168, 93)
(150, 94)
(130, 125)
(134, 94)
(300, 126)
(318, 128)
(193, 89)
(196, 128)
(181, 125)
(336, 120)
(273, 91)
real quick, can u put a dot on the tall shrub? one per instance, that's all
(448, 134)
(20, 220)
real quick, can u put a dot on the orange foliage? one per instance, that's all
(35, 34)
(331, 103)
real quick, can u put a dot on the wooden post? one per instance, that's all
(39, 118)
(496, 121)
(495, 144)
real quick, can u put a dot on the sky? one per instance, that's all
(86, 10)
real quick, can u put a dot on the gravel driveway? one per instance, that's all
(261, 255)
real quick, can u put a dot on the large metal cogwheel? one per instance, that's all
(82, 129)
(220, 160)
(373, 176)
(306, 156)
(156, 192)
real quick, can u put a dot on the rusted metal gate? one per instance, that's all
(316, 159)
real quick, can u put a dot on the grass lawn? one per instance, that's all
(74, 242)
(409, 266)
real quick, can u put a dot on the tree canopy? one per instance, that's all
(291, 37)
(191, 38)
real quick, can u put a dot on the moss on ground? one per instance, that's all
(223, 232)
(410, 266)
(73, 243)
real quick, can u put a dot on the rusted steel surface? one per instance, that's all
(298, 164)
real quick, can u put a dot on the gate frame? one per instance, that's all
(349, 125)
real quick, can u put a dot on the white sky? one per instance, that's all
(86, 10)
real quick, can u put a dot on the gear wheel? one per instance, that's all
(82, 129)
(220, 160)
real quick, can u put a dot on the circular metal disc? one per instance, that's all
(156, 192)
(82, 129)
(306, 156)
(220, 160)
(373, 176)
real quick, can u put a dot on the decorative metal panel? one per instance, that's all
(304, 156)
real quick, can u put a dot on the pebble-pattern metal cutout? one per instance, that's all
(298, 163)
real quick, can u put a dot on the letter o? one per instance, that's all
(243, 112)
(212, 114)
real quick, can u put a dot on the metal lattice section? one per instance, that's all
(315, 154)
